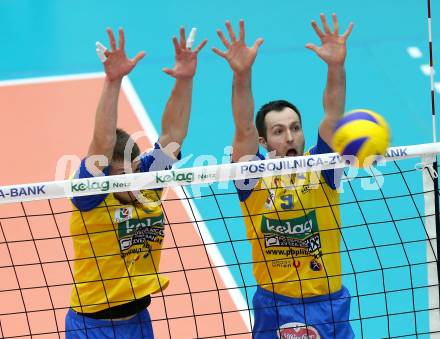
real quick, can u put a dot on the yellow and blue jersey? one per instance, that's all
(117, 247)
(292, 223)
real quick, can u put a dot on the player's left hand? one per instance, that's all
(186, 58)
(333, 49)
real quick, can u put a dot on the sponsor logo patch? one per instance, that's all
(315, 265)
(134, 235)
(298, 228)
(297, 331)
(123, 214)
(268, 205)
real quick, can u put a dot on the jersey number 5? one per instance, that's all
(288, 202)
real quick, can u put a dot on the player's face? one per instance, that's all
(284, 133)
(124, 167)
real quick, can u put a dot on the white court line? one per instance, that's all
(55, 78)
(152, 135)
(191, 209)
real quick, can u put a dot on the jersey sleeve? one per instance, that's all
(332, 176)
(88, 202)
(155, 160)
(246, 186)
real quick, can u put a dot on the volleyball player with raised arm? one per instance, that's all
(117, 237)
(293, 230)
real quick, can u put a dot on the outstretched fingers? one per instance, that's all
(219, 52)
(121, 39)
(102, 51)
(317, 30)
(312, 47)
(138, 57)
(176, 45)
(230, 31)
(191, 38)
(241, 24)
(325, 24)
(258, 43)
(348, 31)
(335, 24)
(199, 47)
(223, 39)
(111, 37)
(182, 37)
(168, 71)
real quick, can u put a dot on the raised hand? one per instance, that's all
(117, 64)
(239, 56)
(186, 58)
(333, 46)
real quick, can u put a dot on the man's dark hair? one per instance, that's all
(276, 105)
(122, 138)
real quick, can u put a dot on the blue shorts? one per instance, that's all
(80, 327)
(278, 316)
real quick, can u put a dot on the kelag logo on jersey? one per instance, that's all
(298, 228)
(134, 232)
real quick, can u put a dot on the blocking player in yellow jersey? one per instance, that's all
(292, 221)
(117, 237)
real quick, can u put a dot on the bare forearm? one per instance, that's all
(242, 102)
(334, 102)
(334, 94)
(104, 135)
(245, 141)
(176, 115)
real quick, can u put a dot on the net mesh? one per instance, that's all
(388, 254)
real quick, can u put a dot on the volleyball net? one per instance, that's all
(389, 218)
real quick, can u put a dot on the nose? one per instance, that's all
(289, 136)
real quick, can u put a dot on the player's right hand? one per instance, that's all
(117, 64)
(239, 56)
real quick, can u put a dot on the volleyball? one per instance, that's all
(361, 133)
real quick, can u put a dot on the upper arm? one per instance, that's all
(246, 186)
(100, 154)
(331, 176)
(88, 202)
(245, 143)
(326, 129)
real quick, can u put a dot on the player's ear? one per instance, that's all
(262, 142)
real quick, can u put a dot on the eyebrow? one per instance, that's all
(280, 125)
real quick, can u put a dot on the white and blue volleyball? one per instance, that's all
(362, 134)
